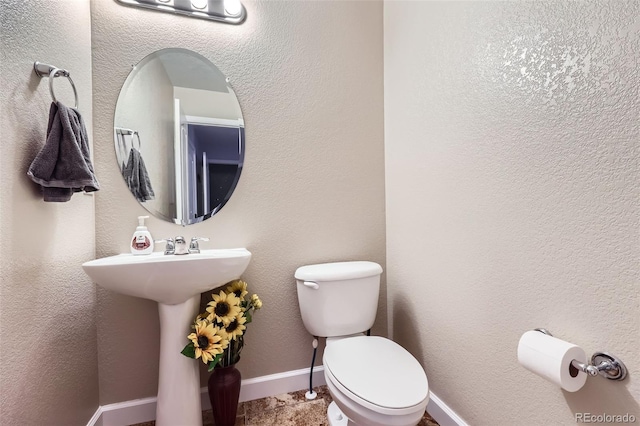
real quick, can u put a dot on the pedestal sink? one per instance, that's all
(175, 282)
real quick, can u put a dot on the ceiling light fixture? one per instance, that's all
(227, 11)
(199, 4)
(232, 7)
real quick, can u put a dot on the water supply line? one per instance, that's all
(311, 394)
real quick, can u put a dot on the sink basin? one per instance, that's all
(175, 282)
(169, 279)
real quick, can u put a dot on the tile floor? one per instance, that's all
(289, 409)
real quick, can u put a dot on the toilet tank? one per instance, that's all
(338, 299)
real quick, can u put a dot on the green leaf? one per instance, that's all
(248, 316)
(214, 362)
(189, 350)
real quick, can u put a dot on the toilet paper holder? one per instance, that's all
(602, 363)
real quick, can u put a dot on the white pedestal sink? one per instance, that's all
(175, 282)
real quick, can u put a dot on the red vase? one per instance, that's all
(224, 392)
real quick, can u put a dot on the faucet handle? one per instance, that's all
(170, 248)
(194, 247)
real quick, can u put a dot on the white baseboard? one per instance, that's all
(441, 412)
(144, 410)
(96, 419)
(274, 384)
(127, 412)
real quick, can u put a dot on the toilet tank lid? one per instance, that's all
(338, 271)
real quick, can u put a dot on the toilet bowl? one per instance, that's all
(373, 381)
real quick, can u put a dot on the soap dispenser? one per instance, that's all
(142, 243)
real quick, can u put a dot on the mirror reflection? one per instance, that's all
(179, 136)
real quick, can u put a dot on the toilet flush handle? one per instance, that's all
(311, 284)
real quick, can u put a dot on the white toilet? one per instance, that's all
(373, 381)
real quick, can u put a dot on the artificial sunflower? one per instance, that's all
(256, 302)
(236, 327)
(219, 333)
(223, 308)
(207, 341)
(238, 288)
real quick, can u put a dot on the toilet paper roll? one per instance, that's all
(551, 358)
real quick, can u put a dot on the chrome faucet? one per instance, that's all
(194, 247)
(181, 245)
(178, 245)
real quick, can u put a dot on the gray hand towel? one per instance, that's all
(137, 178)
(63, 166)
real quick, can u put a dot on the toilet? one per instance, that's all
(373, 381)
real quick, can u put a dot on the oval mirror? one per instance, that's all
(179, 136)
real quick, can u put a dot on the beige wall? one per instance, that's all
(48, 366)
(207, 103)
(513, 183)
(308, 76)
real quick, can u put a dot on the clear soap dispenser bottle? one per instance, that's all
(142, 243)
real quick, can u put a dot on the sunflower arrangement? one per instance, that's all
(218, 333)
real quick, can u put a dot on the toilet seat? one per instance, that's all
(377, 373)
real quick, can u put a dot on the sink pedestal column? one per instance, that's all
(179, 378)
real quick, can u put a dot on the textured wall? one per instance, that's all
(513, 188)
(207, 103)
(308, 76)
(48, 370)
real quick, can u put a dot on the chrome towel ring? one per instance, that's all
(137, 135)
(129, 132)
(45, 70)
